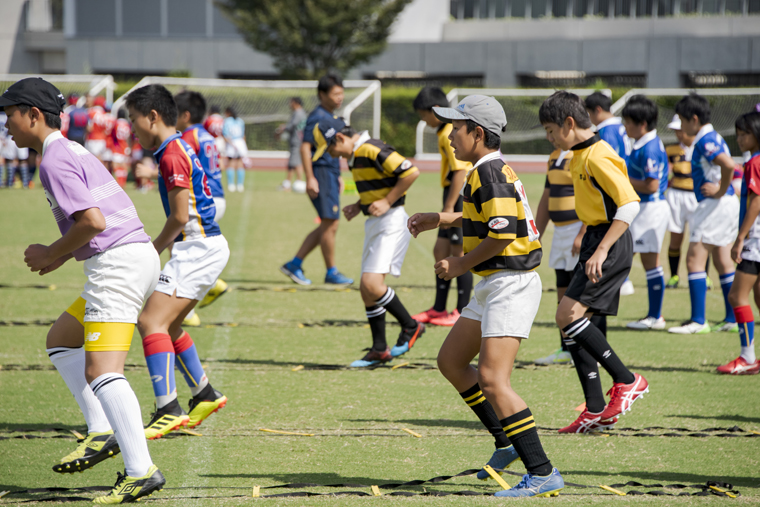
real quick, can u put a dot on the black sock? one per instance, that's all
(464, 290)
(588, 374)
(707, 264)
(173, 407)
(207, 393)
(600, 321)
(392, 303)
(522, 432)
(479, 404)
(441, 294)
(376, 318)
(674, 258)
(588, 336)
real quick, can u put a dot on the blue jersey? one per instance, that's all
(233, 128)
(178, 166)
(613, 131)
(78, 120)
(750, 184)
(325, 161)
(707, 145)
(204, 147)
(648, 159)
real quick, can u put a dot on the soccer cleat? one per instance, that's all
(193, 321)
(92, 449)
(622, 397)
(559, 356)
(627, 288)
(709, 283)
(200, 409)
(240, 187)
(690, 327)
(407, 339)
(740, 366)
(647, 323)
(725, 327)
(338, 278)
(534, 485)
(448, 321)
(426, 316)
(164, 422)
(129, 489)
(501, 459)
(588, 422)
(219, 289)
(673, 282)
(372, 358)
(294, 273)
(231, 187)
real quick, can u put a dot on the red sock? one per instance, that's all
(744, 314)
(183, 343)
(157, 343)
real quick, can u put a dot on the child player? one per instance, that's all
(607, 203)
(501, 245)
(715, 222)
(88, 344)
(648, 173)
(198, 256)
(382, 179)
(449, 242)
(746, 249)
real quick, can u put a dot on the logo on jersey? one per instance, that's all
(405, 165)
(164, 279)
(92, 337)
(711, 148)
(498, 223)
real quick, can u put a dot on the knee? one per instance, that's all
(489, 382)
(447, 365)
(733, 297)
(90, 373)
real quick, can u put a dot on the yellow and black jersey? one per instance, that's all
(494, 207)
(559, 181)
(600, 181)
(681, 167)
(449, 163)
(376, 168)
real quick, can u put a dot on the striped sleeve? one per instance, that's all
(394, 164)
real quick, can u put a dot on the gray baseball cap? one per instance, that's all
(483, 110)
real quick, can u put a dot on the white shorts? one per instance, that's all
(96, 146)
(715, 221)
(237, 148)
(561, 254)
(682, 205)
(119, 281)
(194, 267)
(751, 250)
(12, 152)
(649, 226)
(120, 158)
(221, 145)
(386, 240)
(221, 207)
(505, 303)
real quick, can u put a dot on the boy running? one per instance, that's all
(88, 344)
(501, 245)
(198, 256)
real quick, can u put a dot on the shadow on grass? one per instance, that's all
(725, 417)
(430, 423)
(669, 477)
(48, 426)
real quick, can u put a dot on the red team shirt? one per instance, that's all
(120, 135)
(214, 124)
(100, 123)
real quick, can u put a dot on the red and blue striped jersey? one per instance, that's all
(202, 142)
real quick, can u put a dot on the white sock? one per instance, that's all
(70, 364)
(748, 353)
(123, 411)
(165, 399)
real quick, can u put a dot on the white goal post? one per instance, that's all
(70, 83)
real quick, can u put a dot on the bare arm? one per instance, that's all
(421, 222)
(452, 267)
(179, 214)
(380, 207)
(753, 210)
(726, 164)
(647, 186)
(594, 264)
(542, 213)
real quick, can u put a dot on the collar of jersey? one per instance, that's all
(643, 140)
(161, 148)
(53, 136)
(706, 129)
(609, 121)
(491, 156)
(363, 138)
(588, 142)
(191, 127)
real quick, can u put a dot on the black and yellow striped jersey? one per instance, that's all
(680, 166)
(600, 181)
(376, 168)
(449, 163)
(559, 181)
(494, 207)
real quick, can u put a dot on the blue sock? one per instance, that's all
(159, 355)
(726, 281)
(656, 287)
(698, 295)
(332, 271)
(230, 177)
(241, 176)
(189, 364)
(296, 262)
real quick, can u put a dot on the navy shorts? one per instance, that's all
(327, 202)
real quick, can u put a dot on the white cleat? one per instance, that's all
(647, 323)
(690, 327)
(230, 188)
(627, 288)
(240, 188)
(559, 356)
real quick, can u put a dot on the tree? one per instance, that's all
(307, 38)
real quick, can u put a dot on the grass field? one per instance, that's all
(357, 416)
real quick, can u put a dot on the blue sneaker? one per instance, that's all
(501, 459)
(533, 485)
(337, 278)
(294, 273)
(372, 358)
(407, 339)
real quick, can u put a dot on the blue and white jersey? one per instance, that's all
(648, 159)
(613, 131)
(707, 145)
(233, 128)
(202, 142)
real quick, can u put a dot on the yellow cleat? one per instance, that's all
(162, 424)
(129, 489)
(193, 321)
(92, 449)
(200, 410)
(215, 293)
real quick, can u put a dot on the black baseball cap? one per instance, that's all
(36, 92)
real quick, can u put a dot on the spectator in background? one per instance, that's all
(233, 131)
(292, 132)
(214, 124)
(77, 121)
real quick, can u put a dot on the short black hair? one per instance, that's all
(328, 81)
(213, 109)
(598, 99)
(231, 111)
(749, 123)
(694, 105)
(562, 105)
(192, 102)
(347, 131)
(428, 97)
(122, 113)
(51, 120)
(297, 100)
(640, 109)
(154, 97)
(492, 141)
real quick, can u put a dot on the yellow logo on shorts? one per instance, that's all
(335, 209)
(92, 337)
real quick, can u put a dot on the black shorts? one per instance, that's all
(453, 234)
(563, 278)
(749, 267)
(603, 297)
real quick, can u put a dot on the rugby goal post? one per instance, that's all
(70, 83)
(264, 105)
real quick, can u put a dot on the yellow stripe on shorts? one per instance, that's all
(76, 309)
(107, 336)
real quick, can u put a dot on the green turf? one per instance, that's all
(357, 416)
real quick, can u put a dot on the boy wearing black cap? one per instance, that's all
(501, 245)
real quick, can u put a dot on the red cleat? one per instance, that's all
(740, 366)
(448, 321)
(587, 422)
(622, 396)
(426, 316)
